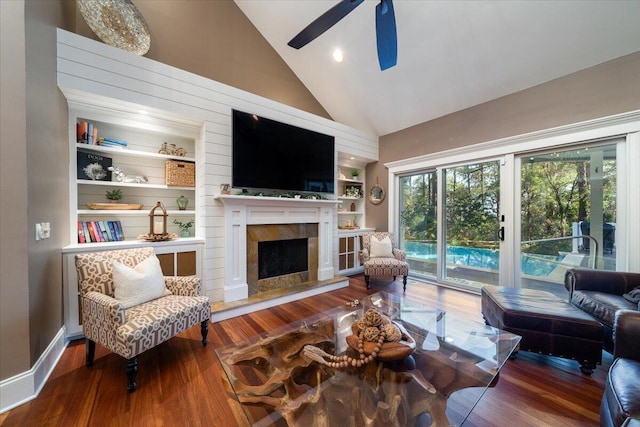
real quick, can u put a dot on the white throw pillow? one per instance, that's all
(144, 282)
(380, 248)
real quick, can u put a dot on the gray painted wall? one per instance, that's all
(213, 39)
(603, 90)
(14, 277)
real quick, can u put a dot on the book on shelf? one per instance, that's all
(80, 233)
(112, 231)
(92, 232)
(87, 133)
(105, 231)
(119, 231)
(90, 139)
(82, 131)
(93, 166)
(111, 145)
(112, 142)
(96, 227)
(99, 231)
(87, 235)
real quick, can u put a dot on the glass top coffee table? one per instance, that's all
(454, 361)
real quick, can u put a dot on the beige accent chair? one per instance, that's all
(131, 331)
(394, 264)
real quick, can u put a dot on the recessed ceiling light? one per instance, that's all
(142, 112)
(352, 158)
(337, 55)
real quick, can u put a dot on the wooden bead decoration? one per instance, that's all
(374, 327)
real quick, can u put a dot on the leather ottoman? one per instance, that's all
(547, 324)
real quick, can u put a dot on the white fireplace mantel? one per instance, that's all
(241, 211)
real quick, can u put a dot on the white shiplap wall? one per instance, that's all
(115, 79)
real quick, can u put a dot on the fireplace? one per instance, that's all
(281, 255)
(249, 220)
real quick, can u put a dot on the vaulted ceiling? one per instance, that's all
(451, 54)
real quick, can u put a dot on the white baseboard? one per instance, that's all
(250, 308)
(26, 386)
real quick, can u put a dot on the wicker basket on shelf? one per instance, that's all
(180, 174)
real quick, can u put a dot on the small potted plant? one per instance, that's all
(355, 173)
(184, 227)
(114, 195)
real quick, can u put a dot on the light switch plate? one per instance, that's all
(43, 230)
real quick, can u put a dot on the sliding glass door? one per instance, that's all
(452, 227)
(418, 198)
(471, 226)
(520, 212)
(568, 210)
(469, 254)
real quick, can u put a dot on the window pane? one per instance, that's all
(471, 212)
(568, 214)
(418, 225)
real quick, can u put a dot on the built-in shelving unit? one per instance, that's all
(351, 194)
(351, 216)
(145, 136)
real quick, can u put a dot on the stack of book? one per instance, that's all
(99, 231)
(87, 133)
(112, 142)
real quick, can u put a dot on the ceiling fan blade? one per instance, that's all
(323, 23)
(386, 35)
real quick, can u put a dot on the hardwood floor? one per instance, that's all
(180, 383)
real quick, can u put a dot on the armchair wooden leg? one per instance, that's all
(90, 351)
(132, 370)
(404, 283)
(366, 279)
(204, 330)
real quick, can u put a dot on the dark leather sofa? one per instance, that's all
(600, 294)
(621, 400)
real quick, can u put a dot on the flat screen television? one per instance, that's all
(270, 155)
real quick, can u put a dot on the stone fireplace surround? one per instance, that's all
(275, 232)
(243, 212)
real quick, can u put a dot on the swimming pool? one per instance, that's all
(531, 265)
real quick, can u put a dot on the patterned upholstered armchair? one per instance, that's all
(380, 257)
(129, 327)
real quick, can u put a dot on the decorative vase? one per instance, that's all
(185, 233)
(182, 203)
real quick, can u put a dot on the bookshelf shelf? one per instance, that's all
(131, 153)
(132, 185)
(140, 212)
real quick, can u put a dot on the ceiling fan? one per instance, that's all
(386, 35)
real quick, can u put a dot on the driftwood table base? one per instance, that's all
(277, 385)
